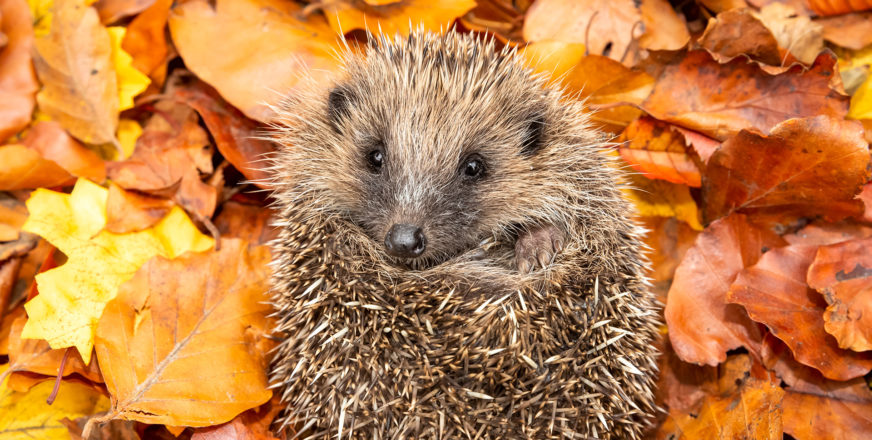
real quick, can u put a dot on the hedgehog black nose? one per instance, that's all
(405, 241)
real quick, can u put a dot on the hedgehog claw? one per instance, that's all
(538, 247)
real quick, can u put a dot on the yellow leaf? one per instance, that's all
(72, 297)
(41, 12)
(131, 82)
(861, 102)
(128, 132)
(27, 416)
(659, 198)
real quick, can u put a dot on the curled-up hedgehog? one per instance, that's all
(455, 259)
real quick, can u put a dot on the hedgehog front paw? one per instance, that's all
(538, 246)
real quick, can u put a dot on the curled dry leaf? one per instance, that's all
(502, 18)
(775, 293)
(753, 412)
(665, 29)
(289, 50)
(659, 151)
(398, 17)
(72, 297)
(237, 137)
(804, 167)
(55, 144)
(74, 65)
(795, 33)
(28, 416)
(738, 32)
(719, 100)
(24, 168)
(605, 27)
(176, 316)
(18, 84)
(843, 274)
(114, 430)
(702, 325)
(851, 31)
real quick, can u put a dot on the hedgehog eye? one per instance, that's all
(375, 159)
(473, 167)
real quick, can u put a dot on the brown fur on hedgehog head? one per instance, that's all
(449, 136)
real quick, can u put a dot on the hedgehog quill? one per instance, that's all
(455, 257)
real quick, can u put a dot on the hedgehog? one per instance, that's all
(455, 256)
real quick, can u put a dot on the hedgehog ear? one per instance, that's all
(531, 143)
(338, 102)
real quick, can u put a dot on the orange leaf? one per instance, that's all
(145, 39)
(128, 211)
(114, 10)
(235, 135)
(665, 29)
(54, 143)
(74, 64)
(35, 356)
(719, 100)
(669, 239)
(253, 424)
(24, 168)
(702, 326)
(287, 49)
(605, 27)
(841, 272)
(805, 167)
(18, 84)
(502, 18)
(775, 293)
(659, 152)
(835, 7)
(251, 223)
(851, 31)
(398, 17)
(754, 412)
(663, 199)
(173, 318)
(809, 417)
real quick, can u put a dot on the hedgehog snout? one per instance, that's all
(405, 241)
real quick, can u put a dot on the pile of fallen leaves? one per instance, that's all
(132, 260)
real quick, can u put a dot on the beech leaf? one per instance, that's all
(17, 82)
(398, 17)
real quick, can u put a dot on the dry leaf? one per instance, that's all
(809, 417)
(702, 326)
(398, 17)
(74, 64)
(173, 318)
(129, 211)
(55, 144)
(35, 356)
(113, 10)
(251, 223)
(146, 41)
(25, 168)
(841, 273)
(658, 198)
(114, 430)
(795, 33)
(605, 27)
(664, 28)
(131, 82)
(26, 416)
(805, 167)
(72, 297)
(659, 151)
(288, 50)
(17, 82)
(851, 31)
(719, 100)
(775, 293)
(682, 386)
(253, 424)
(738, 32)
(835, 7)
(502, 18)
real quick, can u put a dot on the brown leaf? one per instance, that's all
(288, 49)
(75, 67)
(669, 239)
(719, 100)
(145, 40)
(822, 234)
(113, 430)
(173, 318)
(842, 273)
(682, 386)
(775, 293)
(795, 33)
(502, 18)
(754, 412)
(112, 10)
(24, 168)
(129, 211)
(659, 151)
(236, 136)
(251, 223)
(53, 143)
(665, 29)
(738, 32)
(702, 325)
(809, 417)
(253, 424)
(604, 27)
(18, 84)
(805, 167)
(851, 31)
